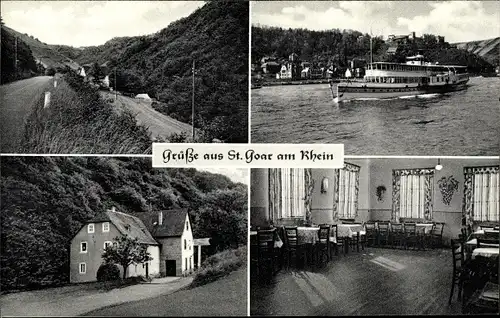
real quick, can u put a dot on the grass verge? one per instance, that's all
(79, 121)
(220, 265)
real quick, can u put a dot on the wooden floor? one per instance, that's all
(372, 282)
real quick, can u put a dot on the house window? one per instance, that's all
(289, 192)
(481, 193)
(187, 226)
(105, 227)
(82, 268)
(185, 244)
(83, 247)
(186, 262)
(413, 193)
(107, 243)
(347, 185)
(90, 228)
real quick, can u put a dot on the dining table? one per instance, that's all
(278, 243)
(426, 228)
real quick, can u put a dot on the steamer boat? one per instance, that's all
(415, 77)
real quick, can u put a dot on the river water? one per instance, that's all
(464, 123)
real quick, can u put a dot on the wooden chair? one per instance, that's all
(267, 256)
(293, 248)
(322, 247)
(436, 235)
(411, 235)
(397, 235)
(371, 233)
(457, 250)
(339, 241)
(383, 233)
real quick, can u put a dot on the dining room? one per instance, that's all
(381, 236)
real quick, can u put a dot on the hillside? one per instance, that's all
(45, 201)
(216, 37)
(336, 47)
(26, 65)
(44, 53)
(487, 49)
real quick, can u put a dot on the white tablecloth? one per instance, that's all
(348, 230)
(425, 227)
(485, 251)
(307, 235)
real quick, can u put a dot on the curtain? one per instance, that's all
(481, 198)
(412, 194)
(290, 191)
(346, 190)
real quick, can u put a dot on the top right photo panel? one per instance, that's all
(405, 78)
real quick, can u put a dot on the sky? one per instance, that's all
(86, 23)
(457, 21)
(235, 174)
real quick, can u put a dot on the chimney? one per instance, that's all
(113, 209)
(160, 218)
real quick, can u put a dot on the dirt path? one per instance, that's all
(80, 299)
(158, 124)
(17, 100)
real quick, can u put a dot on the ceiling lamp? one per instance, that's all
(439, 166)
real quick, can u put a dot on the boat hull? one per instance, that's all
(353, 91)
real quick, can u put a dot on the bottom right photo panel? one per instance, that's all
(380, 236)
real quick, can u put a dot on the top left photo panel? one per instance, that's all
(111, 77)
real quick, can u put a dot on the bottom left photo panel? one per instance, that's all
(112, 236)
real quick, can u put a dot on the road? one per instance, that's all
(224, 297)
(158, 124)
(18, 99)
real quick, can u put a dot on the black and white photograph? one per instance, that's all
(393, 236)
(104, 236)
(108, 77)
(383, 77)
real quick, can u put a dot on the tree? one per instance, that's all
(96, 72)
(126, 251)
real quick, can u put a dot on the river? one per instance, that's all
(464, 123)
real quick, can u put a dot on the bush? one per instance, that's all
(220, 265)
(50, 71)
(108, 272)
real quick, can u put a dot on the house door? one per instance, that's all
(170, 267)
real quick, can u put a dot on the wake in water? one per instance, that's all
(424, 96)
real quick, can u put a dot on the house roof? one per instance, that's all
(126, 225)
(172, 223)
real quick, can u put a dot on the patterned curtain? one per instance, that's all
(481, 197)
(412, 193)
(274, 194)
(346, 191)
(309, 187)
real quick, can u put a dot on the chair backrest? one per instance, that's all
(410, 227)
(457, 250)
(324, 232)
(265, 239)
(397, 227)
(438, 228)
(334, 230)
(291, 236)
(383, 226)
(370, 226)
(490, 234)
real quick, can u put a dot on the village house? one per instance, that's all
(167, 234)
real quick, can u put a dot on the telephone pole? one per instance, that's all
(192, 102)
(116, 92)
(15, 59)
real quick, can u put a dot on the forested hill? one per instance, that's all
(216, 37)
(46, 200)
(487, 49)
(26, 64)
(336, 47)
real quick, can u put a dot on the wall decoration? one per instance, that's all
(448, 186)
(381, 193)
